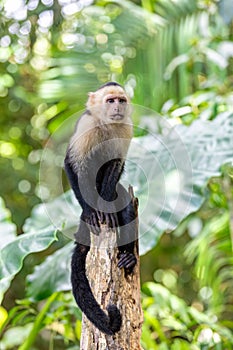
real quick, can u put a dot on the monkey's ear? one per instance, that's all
(91, 99)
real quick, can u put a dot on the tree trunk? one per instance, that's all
(110, 286)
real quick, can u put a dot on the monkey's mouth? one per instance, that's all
(117, 116)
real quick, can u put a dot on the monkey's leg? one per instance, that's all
(84, 297)
(127, 227)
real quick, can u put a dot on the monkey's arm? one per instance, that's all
(84, 194)
(73, 179)
(111, 174)
(106, 182)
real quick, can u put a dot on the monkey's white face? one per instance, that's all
(110, 105)
(115, 107)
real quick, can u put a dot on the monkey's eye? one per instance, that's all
(110, 100)
(122, 100)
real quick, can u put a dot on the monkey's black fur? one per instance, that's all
(111, 83)
(108, 188)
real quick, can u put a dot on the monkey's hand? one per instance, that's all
(128, 261)
(109, 219)
(91, 217)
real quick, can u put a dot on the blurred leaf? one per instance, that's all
(15, 336)
(216, 58)
(226, 10)
(55, 214)
(169, 313)
(136, 38)
(51, 276)
(3, 317)
(13, 254)
(174, 10)
(212, 252)
(7, 228)
(177, 61)
(169, 172)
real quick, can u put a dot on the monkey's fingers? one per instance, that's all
(127, 260)
(111, 220)
(108, 221)
(114, 220)
(100, 215)
(93, 222)
(93, 229)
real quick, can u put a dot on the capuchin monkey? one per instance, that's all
(94, 163)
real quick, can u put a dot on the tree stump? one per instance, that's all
(110, 285)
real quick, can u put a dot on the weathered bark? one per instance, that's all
(110, 285)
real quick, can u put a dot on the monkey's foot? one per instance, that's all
(127, 260)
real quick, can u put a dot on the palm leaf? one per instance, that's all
(138, 45)
(211, 254)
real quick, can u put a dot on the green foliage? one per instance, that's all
(171, 324)
(6, 225)
(181, 155)
(52, 275)
(48, 50)
(55, 316)
(173, 57)
(210, 252)
(15, 249)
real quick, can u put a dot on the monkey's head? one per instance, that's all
(110, 103)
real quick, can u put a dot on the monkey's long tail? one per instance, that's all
(84, 297)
